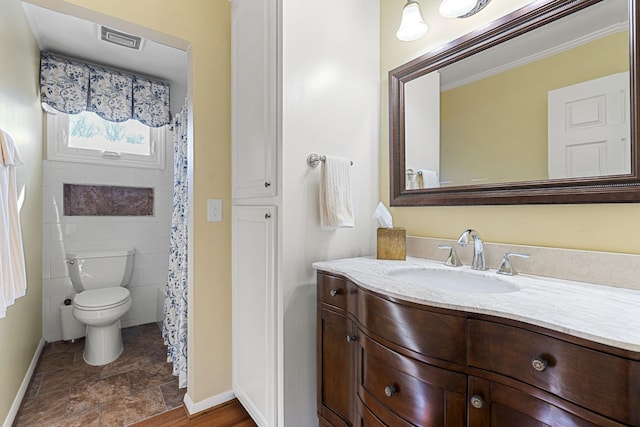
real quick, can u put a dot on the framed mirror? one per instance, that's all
(538, 107)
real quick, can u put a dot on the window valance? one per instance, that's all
(72, 86)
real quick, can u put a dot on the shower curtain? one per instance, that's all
(174, 326)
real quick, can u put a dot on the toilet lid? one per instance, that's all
(101, 299)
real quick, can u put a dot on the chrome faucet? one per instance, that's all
(506, 267)
(478, 262)
(452, 259)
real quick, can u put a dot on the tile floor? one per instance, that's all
(65, 391)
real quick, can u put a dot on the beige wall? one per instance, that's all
(21, 117)
(604, 227)
(517, 100)
(205, 26)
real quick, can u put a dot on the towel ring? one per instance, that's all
(314, 160)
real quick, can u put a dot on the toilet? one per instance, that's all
(100, 278)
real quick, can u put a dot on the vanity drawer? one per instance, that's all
(418, 393)
(606, 384)
(377, 416)
(432, 334)
(337, 291)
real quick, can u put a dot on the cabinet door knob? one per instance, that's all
(267, 184)
(539, 364)
(267, 215)
(389, 390)
(333, 292)
(351, 338)
(477, 401)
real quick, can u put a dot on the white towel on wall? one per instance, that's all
(336, 201)
(13, 279)
(430, 178)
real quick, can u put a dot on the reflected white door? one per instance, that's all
(589, 132)
(422, 128)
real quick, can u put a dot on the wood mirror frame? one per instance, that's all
(604, 189)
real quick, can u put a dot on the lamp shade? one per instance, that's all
(456, 8)
(412, 26)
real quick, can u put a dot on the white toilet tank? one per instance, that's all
(100, 269)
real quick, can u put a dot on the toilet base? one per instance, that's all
(103, 344)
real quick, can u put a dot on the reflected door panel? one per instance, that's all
(589, 131)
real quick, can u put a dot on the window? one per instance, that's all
(87, 138)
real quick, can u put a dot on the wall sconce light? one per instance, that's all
(412, 26)
(455, 8)
(461, 8)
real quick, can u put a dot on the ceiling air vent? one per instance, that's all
(121, 39)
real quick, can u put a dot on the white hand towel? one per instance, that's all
(430, 178)
(13, 280)
(336, 202)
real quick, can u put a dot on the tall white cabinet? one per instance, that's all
(254, 191)
(253, 88)
(254, 312)
(305, 79)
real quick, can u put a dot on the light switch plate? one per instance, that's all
(214, 210)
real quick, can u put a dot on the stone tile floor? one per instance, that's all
(65, 391)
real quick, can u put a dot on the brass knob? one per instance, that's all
(389, 390)
(333, 292)
(477, 401)
(539, 364)
(351, 338)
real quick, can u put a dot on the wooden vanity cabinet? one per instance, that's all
(336, 343)
(386, 362)
(492, 404)
(605, 383)
(412, 392)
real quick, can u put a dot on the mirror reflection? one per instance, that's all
(550, 104)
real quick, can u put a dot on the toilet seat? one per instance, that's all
(101, 299)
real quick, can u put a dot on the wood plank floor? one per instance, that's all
(229, 414)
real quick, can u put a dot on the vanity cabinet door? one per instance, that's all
(336, 367)
(430, 333)
(337, 292)
(406, 391)
(604, 383)
(497, 405)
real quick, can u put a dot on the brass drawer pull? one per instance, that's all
(477, 401)
(333, 292)
(539, 365)
(389, 390)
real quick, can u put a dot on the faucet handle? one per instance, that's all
(452, 259)
(506, 267)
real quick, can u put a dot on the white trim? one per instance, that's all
(13, 411)
(607, 31)
(195, 407)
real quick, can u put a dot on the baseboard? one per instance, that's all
(194, 407)
(15, 407)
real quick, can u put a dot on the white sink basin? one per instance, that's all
(454, 280)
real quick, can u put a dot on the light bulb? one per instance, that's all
(412, 26)
(455, 8)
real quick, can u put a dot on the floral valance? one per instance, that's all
(72, 87)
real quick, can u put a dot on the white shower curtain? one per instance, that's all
(174, 326)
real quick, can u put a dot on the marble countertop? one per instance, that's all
(603, 314)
